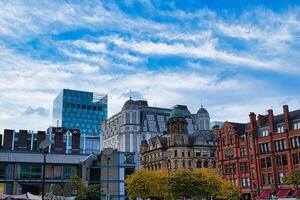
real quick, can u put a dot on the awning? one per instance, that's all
(283, 193)
(33, 197)
(297, 193)
(2, 196)
(19, 197)
(265, 194)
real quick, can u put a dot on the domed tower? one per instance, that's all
(177, 132)
(202, 120)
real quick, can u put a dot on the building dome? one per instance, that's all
(129, 104)
(202, 111)
(176, 113)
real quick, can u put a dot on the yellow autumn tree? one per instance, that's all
(228, 190)
(162, 190)
(141, 184)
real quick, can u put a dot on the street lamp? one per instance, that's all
(43, 148)
(107, 152)
(166, 155)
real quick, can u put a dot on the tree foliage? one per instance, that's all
(73, 187)
(92, 192)
(292, 178)
(183, 183)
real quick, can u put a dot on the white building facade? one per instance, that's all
(137, 121)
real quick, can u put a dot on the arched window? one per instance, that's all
(205, 164)
(199, 164)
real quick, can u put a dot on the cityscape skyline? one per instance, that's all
(238, 59)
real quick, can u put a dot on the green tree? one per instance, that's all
(141, 184)
(292, 178)
(185, 183)
(73, 187)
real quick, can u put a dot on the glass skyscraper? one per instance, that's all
(80, 110)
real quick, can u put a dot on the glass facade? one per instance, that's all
(80, 110)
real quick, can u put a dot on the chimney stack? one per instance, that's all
(286, 117)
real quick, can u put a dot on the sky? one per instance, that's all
(239, 56)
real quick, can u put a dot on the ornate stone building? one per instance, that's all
(138, 121)
(176, 148)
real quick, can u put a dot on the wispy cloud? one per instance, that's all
(236, 62)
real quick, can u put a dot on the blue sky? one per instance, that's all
(239, 56)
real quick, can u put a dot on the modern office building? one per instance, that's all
(137, 121)
(110, 171)
(21, 163)
(258, 154)
(80, 110)
(216, 123)
(177, 148)
(21, 160)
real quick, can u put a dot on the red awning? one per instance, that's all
(283, 193)
(265, 194)
(296, 193)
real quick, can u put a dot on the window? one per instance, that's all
(295, 142)
(231, 139)
(284, 160)
(212, 153)
(243, 152)
(278, 161)
(280, 177)
(280, 145)
(280, 129)
(265, 147)
(296, 125)
(204, 153)
(265, 132)
(246, 182)
(175, 153)
(269, 162)
(224, 141)
(263, 163)
(189, 154)
(182, 153)
(244, 167)
(295, 158)
(199, 164)
(150, 117)
(242, 138)
(198, 153)
(69, 171)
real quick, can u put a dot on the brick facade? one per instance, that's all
(256, 155)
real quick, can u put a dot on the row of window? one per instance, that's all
(241, 138)
(280, 145)
(83, 107)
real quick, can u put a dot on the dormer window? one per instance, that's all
(280, 129)
(296, 126)
(265, 132)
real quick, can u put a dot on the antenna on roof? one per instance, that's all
(201, 103)
(130, 94)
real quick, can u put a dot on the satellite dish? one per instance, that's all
(44, 144)
(107, 151)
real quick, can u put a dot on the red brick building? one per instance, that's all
(256, 155)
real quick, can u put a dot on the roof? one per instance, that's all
(293, 115)
(202, 111)
(29, 157)
(177, 112)
(239, 127)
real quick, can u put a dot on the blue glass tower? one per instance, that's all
(80, 110)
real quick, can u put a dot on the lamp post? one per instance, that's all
(107, 152)
(43, 148)
(166, 155)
